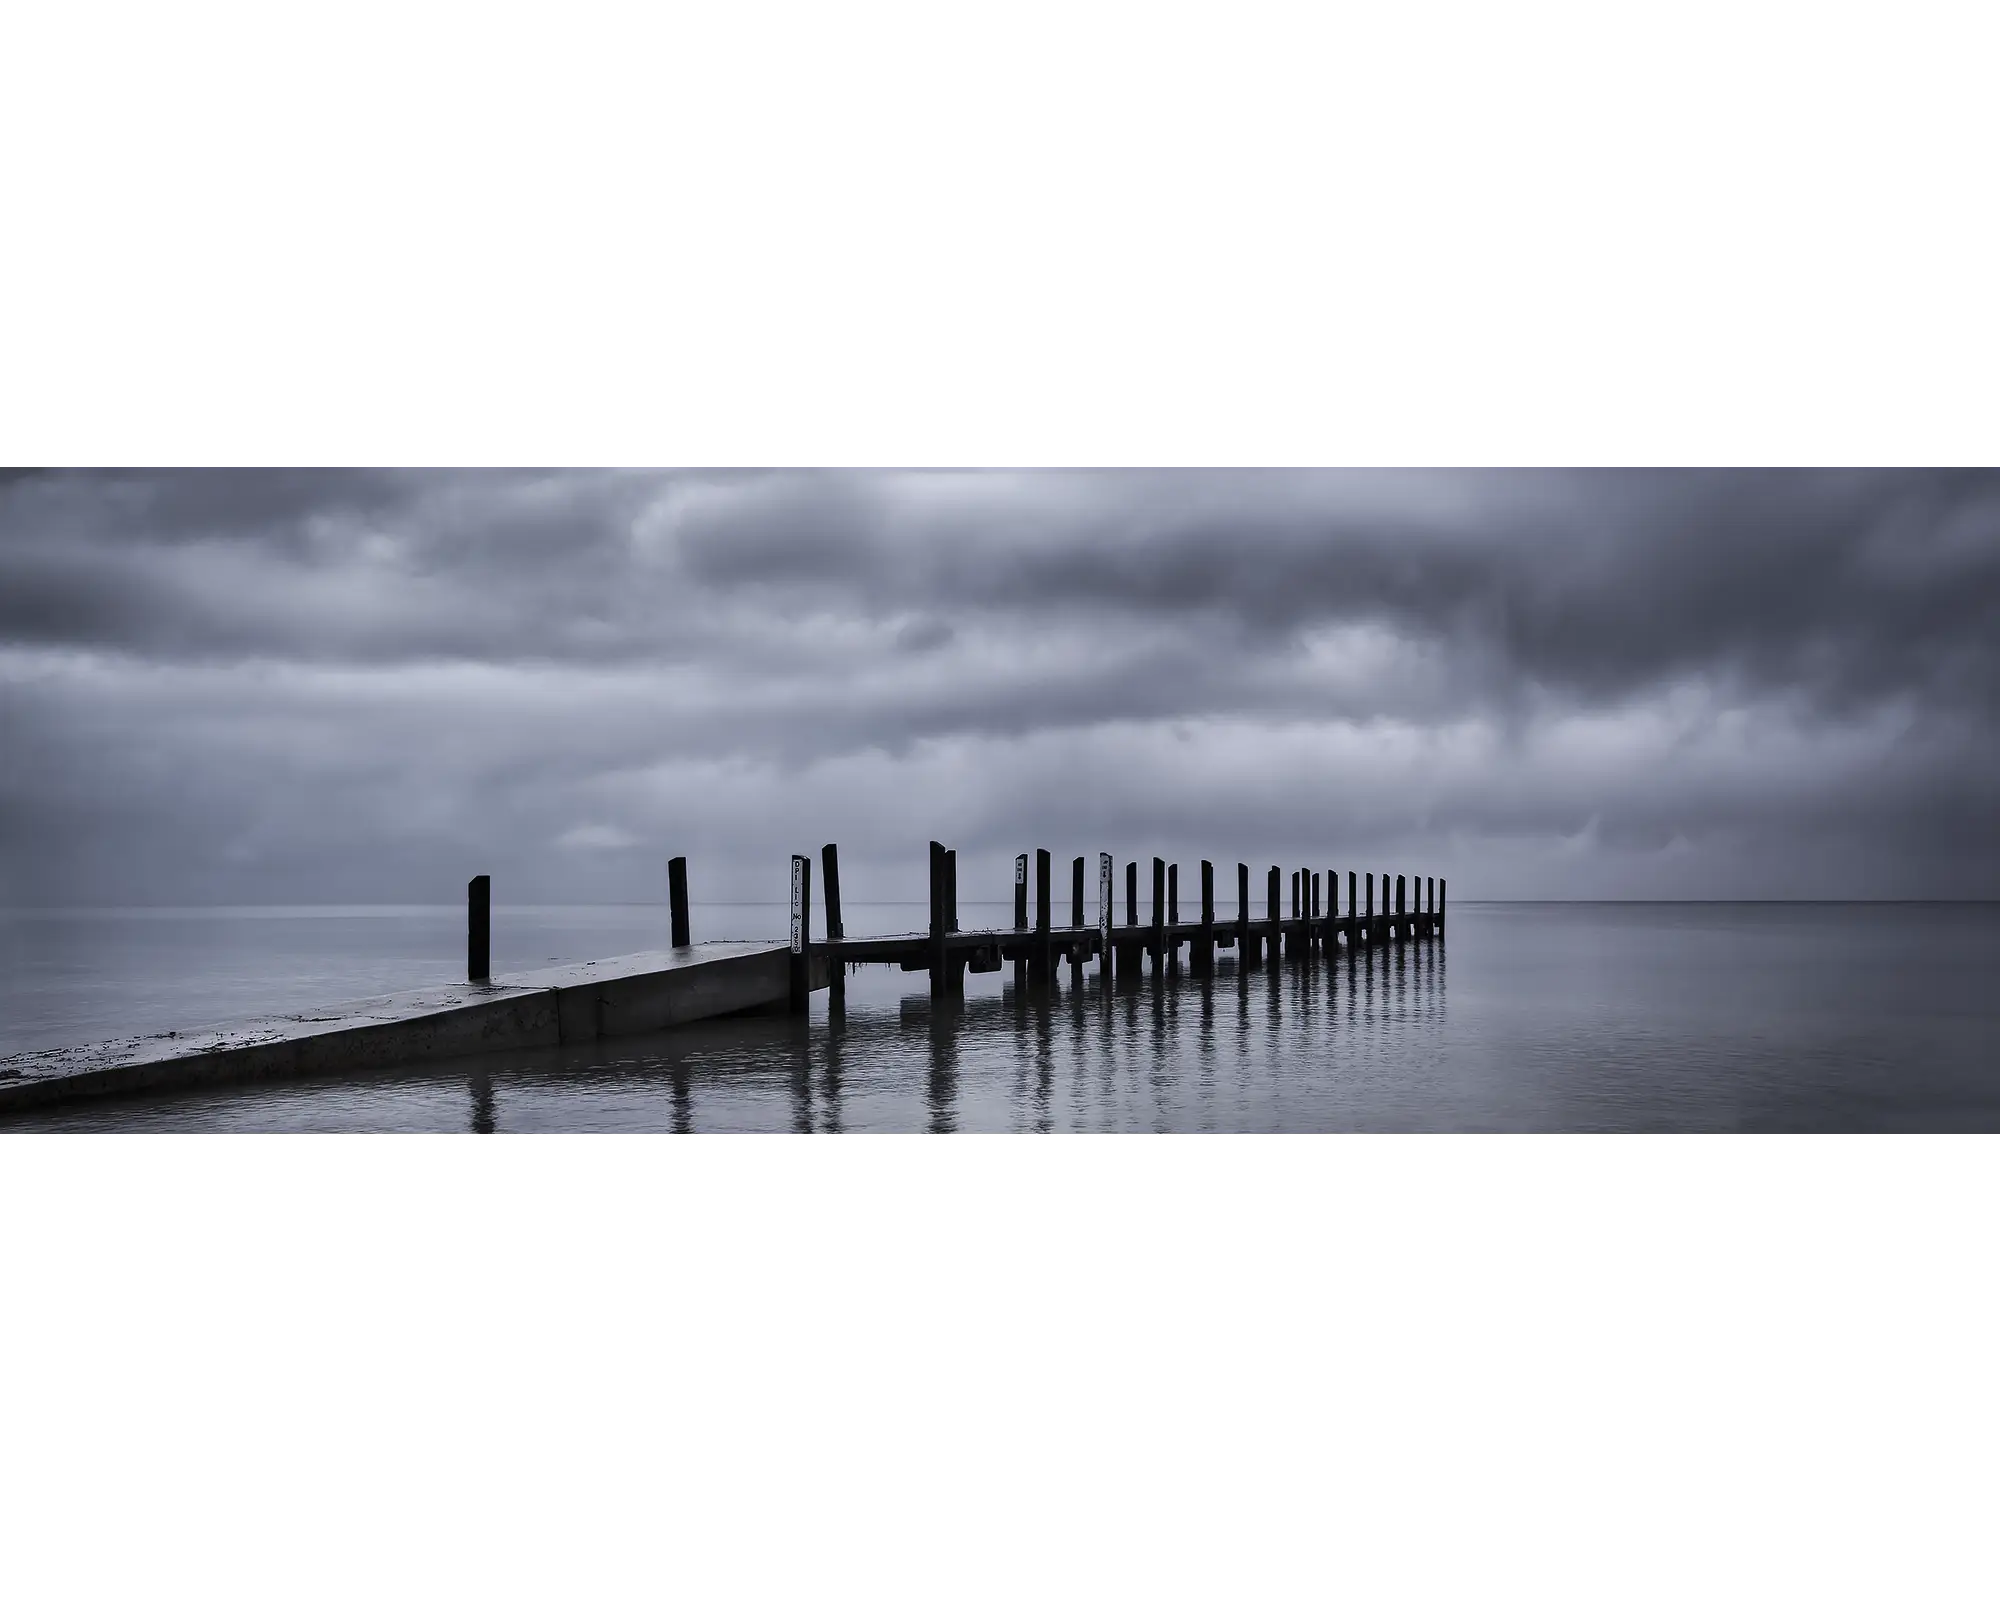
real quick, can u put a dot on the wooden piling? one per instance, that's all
(937, 922)
(829, 873)
(1204, 950)
(1402, 917)
(1044, 912)
(479, 930)
(1353, 911)
(1020, 915)
(1271, 911)
(1370, 923)
(1246, 956)
(954, 963)
(677, 901)
(1104, 898)
(1441, 906)
(801, 974)
(1159, 917)
(1076, 913)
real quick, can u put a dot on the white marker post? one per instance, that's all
(801, 984)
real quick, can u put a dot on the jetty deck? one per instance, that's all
(610, 998)
(655, 990)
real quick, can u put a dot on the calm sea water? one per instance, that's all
(1527, 1017)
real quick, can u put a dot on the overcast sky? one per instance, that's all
(264, 687)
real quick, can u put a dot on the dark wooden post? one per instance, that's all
(1313, 932)
(1441, 890)
(1159, 916)
(1371, 908)
(938, 920)
(1076, 913)
(1271, 911)
(836, 968)
(954, 961)
(1130, 961)
(1205, 950)
(802, 869)
(1245, 955)
(1105, 894)
(1044, 949)
(1402, 917)
(479, 930)
(1020, 915)
(677, 901)
(1353, 911)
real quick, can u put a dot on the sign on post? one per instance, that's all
(798, 905)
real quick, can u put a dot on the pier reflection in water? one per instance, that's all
(1526, 1018)
(1266, 1048)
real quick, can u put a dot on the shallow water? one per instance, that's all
(1527, 1017)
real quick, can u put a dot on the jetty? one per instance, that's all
(1316, 927)
(656, 990)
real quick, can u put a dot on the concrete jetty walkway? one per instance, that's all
(611, 998)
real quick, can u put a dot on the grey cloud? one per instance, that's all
(221, 685)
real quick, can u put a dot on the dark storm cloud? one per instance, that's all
(338, 684)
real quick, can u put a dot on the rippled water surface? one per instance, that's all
(1527, 1017)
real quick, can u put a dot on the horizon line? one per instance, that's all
(554, 905)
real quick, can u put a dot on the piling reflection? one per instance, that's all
(802, 1081)
(1308, 1039)
(940, 1020)
(1044, 1058)
(682, 1080)
(835, 1049)
(482, 1102)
